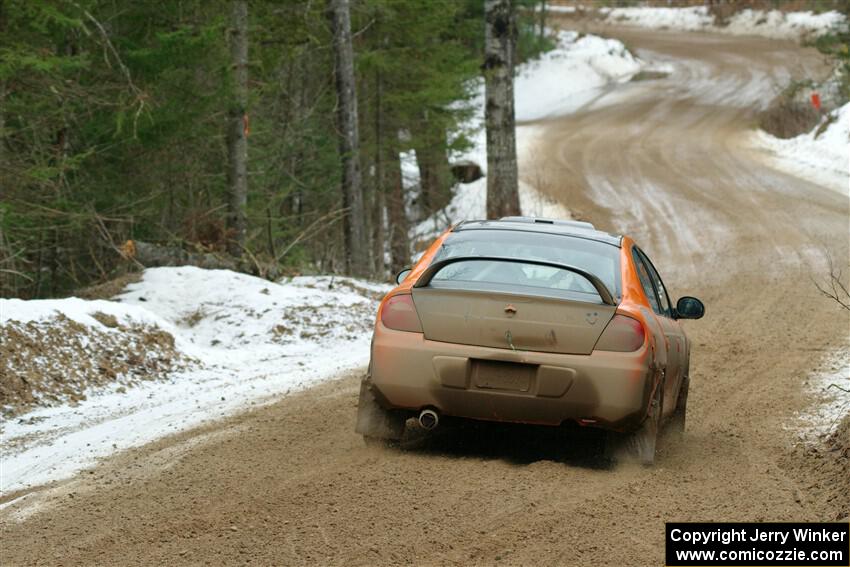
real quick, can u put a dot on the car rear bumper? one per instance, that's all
(602, 389)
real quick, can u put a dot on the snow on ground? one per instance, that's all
(830, 388)
(686, 19)
(567, 77)
(822, 157)
(561, 9)
(573, 75)
(783, 25)
(774, 24)
(254, 341)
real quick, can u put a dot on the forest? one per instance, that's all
(220, 132)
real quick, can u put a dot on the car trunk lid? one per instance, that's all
(511, 320)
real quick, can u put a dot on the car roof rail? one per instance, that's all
(539, 220)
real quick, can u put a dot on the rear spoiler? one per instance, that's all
(432, 270)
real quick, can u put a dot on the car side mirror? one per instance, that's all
(399, 277)
(689, 308)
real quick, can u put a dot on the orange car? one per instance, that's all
(531, 320)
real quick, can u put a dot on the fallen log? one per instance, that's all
(152, 255)
(466, 171)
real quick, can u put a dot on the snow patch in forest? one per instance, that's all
(254, 341)
(773, 24)
(821, 156)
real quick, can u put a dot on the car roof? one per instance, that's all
(578, 229)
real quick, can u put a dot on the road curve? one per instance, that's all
(292, 484)
(665, 160)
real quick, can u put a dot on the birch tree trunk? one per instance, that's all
(355, 238)
(499, 54)
(237, 131)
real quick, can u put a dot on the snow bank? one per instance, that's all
(822, 157)
(55, 359)
(686, 19)
(571, 76)
(567, 77)
(252, 341)
(561, 9)
(223, 316)
(783, 25)
(79, 310)
(774, 23)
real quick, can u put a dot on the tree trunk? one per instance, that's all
(399, 227)
(434, 172)
(237, 132)
(6, 261)
(355, 238)
(499, 53)
(2, 122)
(379, 233)
(542, 18)
(379, 203)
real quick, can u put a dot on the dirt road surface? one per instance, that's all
(291, 484)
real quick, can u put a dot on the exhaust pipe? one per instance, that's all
(428, 419)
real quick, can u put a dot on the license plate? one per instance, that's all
(502, 375)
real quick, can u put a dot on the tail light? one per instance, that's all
(623, 334)
(399, 313)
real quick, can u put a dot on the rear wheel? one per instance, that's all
(376, 424)
(640, 445)
(677, 420)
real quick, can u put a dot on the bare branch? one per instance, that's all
(16, 273)
(329, 218)
(834, 288)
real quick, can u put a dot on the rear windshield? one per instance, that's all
(598, 258)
